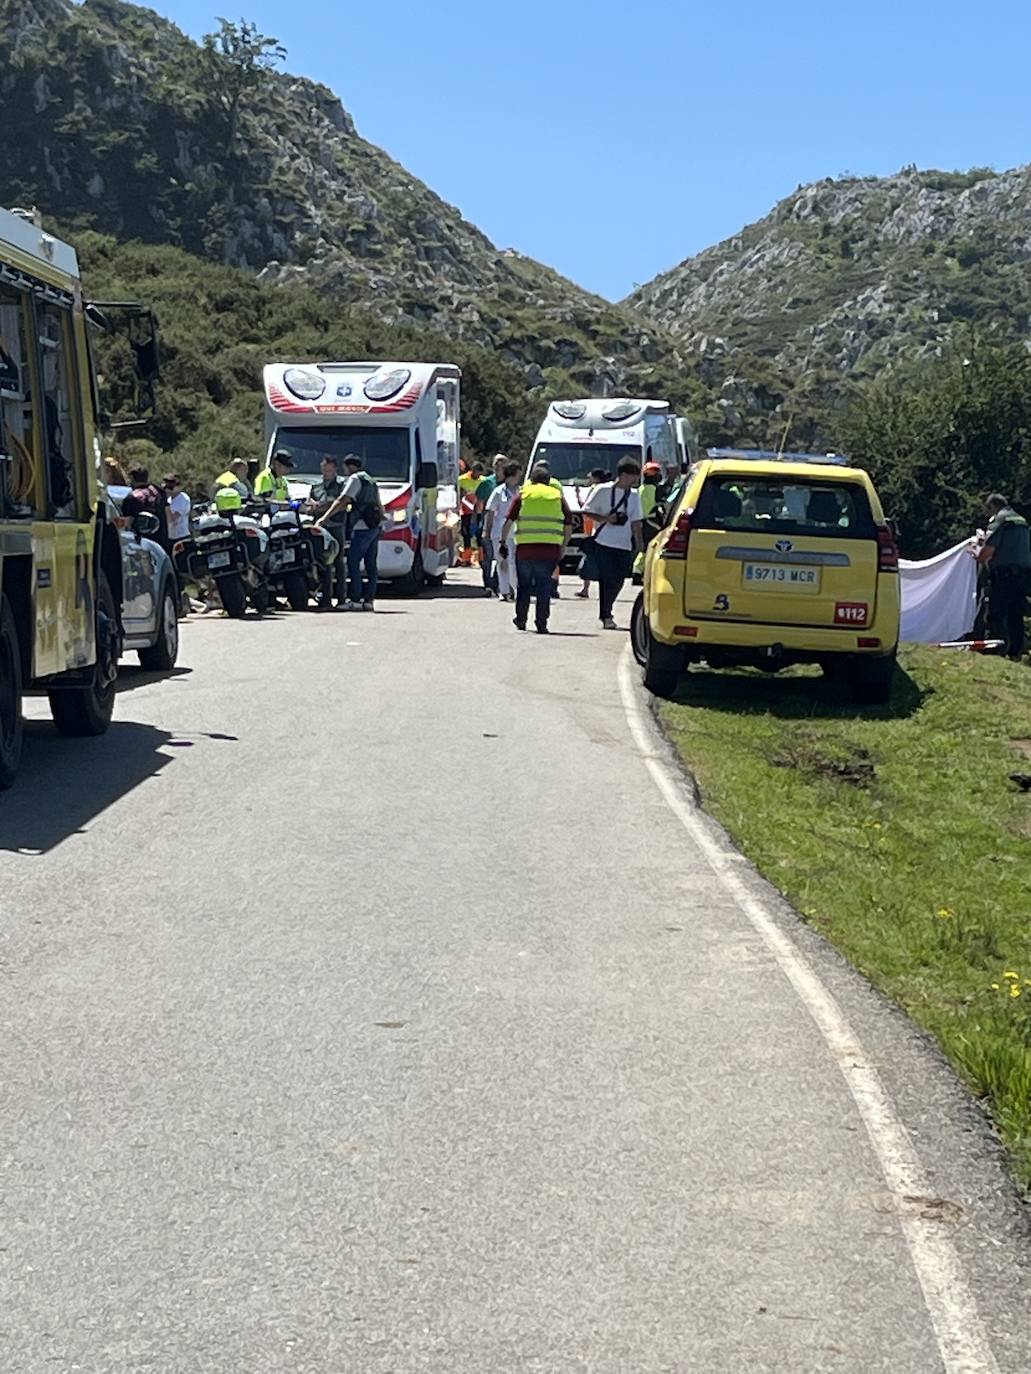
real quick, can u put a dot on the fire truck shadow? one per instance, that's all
(65, 784)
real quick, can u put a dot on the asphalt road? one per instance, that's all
(365, 1007)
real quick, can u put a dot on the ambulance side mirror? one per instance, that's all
(427, 477)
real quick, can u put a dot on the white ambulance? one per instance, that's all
(403, 420)
(578, 437)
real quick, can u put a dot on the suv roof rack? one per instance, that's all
(758, 455)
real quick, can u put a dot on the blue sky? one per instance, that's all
(613, 140)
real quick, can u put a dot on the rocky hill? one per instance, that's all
(845, 278)
(115, 121)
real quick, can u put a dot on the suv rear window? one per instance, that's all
(764, 505)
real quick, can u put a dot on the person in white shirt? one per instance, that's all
(178, 507)
(615, 507)
(498, 505)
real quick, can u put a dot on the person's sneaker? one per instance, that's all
(609, 624)
(583, 594)
(543, 630)
(519, 625)
(509, 596)
(347, 605)
(488, 591)
(368, 606)
(556, 595)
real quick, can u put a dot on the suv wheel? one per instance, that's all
(639, 634)
(663, 665)
(874, 678)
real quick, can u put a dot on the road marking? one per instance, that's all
(962, 1339)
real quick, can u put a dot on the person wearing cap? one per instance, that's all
(178, 507)
(648, 491)
(270, 484)
(1006, 554)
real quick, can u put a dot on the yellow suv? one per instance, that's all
(768, 560)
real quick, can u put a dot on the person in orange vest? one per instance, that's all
(468, 482)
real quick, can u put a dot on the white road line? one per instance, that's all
(962, 1339)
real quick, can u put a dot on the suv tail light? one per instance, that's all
(676, 544)
(887, 550)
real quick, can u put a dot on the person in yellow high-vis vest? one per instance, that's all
(235, 476)
(648, 491)
(542, 522)
(270, 483)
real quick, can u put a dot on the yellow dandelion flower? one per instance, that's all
(1015, 991)
(945, 913)
(1007, 973)
(995, 986)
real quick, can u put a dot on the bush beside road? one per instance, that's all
(898, 835)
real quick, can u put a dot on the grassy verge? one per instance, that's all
(897, 834)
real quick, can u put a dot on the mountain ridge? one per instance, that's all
(113, 126)
(847, 278)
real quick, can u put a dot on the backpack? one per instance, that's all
(368, 507)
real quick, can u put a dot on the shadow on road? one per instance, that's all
(129, 678)
(456, 591)
(66, 783)
(793, 696)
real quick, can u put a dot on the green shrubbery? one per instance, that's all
(220, 325)
(939, 436)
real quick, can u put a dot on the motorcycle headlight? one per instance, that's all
(382, 385)
(306, 386)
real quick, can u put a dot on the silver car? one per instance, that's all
(150, 594)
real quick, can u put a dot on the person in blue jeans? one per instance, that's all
(542, 522)
(365, 517)
(362, 553)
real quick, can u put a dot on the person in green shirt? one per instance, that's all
(488, 554)
(270, 483)
(1006, 553)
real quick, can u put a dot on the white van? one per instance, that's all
(580, 436)
(403, 420)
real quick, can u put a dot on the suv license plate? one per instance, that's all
(782, 577)
(218, 560)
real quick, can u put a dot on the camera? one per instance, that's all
(619, 517)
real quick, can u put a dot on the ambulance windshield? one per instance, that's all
(385, 452)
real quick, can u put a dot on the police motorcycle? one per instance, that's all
(229, 545)
(298, 553)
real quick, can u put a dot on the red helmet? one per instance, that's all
(651, 470)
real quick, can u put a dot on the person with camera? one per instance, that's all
(615, 508)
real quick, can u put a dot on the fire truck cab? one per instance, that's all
(60, 560)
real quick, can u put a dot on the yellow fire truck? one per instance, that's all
(60, 558)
